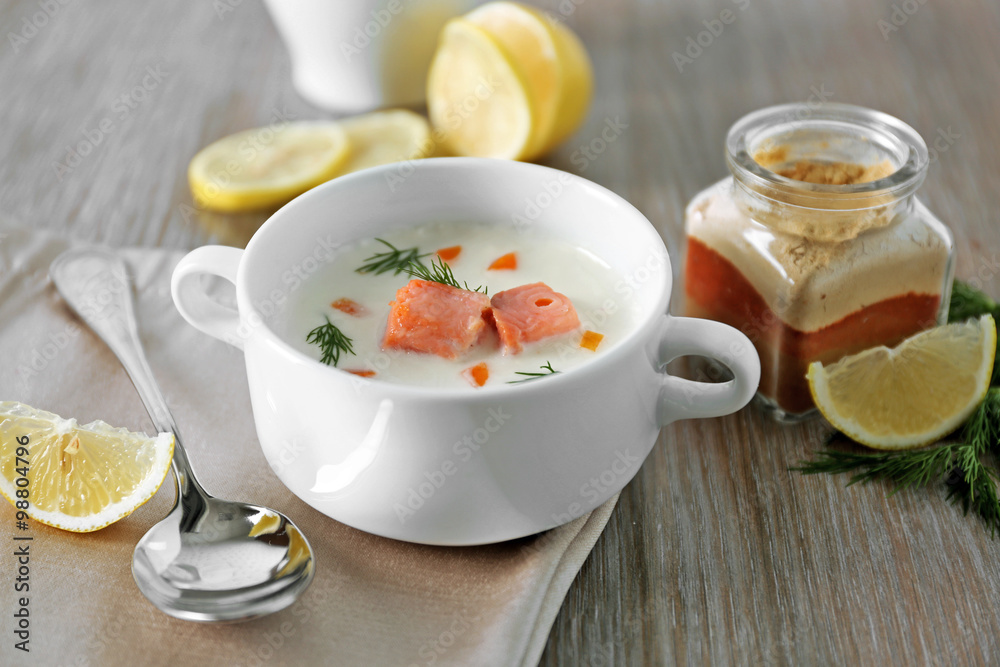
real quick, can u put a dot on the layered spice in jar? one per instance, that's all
(816, 246)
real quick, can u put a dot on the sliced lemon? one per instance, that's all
(549, 62)
(79, 478)
(384, 137)
(477, 98)
(267, 166)
(577, 84)
(912, 394)
(525, 35)
(554, 64)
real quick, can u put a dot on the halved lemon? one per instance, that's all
(78, 478)
(554, 64)
(384, 137)
(267, 166)
(912, 394)
(577, 84)
(477, 97)
(471, 89)
(527, 38)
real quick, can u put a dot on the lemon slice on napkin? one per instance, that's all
(912, 394)
(79, 478)
(267, 166)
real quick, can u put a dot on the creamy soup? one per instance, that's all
(358, 305)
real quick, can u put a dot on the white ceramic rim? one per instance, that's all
(640, 335)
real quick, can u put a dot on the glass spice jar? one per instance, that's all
(816, 247)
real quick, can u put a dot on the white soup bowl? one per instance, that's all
(460, 466)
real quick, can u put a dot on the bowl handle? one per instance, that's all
(189, 295)
(685, 399)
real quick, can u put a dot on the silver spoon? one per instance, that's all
(210, 559)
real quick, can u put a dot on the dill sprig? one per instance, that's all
(331, 341)
(393, 259)
(971, 483)
(967, 302)
(907, 469)
(410, 260)
(439, 272)
(547, 370)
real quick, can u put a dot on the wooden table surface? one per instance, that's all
(716, 553)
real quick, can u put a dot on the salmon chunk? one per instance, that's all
(531, 312)
(436, 319)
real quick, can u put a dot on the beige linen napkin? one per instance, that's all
(374, 601)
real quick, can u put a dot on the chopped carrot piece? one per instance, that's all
(450, 253)
(361, 371)
(591, 339)
(506, 263)
(349, 306)
(477, 375)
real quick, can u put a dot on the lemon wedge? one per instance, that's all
(384, 137)
(267, 166)
(912, 394)
(79, 478)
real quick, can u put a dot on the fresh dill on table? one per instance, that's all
(547, 370)
(965, 463)
(394, 259)
(968, 302)
(439, 272)
(970, 480)
(331, 341)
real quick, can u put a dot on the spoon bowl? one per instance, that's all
(233, 556)
(209, 559)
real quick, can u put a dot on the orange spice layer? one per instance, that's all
(715, 289)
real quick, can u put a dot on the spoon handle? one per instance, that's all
(96, 285)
